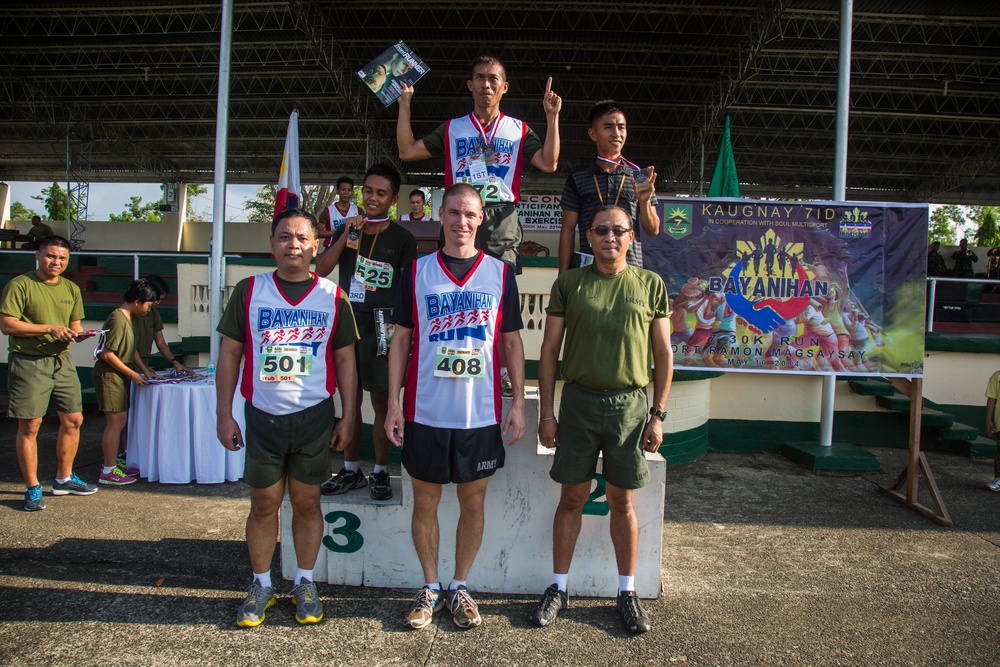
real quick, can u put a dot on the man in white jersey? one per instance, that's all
(487, 149)
(338, 212)
(294, 333)
(417, 202)
(459, 307)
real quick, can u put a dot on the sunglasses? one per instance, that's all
(604, 231)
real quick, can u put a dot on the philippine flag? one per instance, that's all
(289, 187)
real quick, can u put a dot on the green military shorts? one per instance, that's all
(112, 391)
(373, 370)
(33, 381)
(297, 445)
(592, 423)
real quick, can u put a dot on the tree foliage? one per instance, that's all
(945, 223)
(136, 211)
(56, 202)
(195, 190)
(18, 211)
(315, 199)
(986, 217)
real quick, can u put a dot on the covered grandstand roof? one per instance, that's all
(131, 87)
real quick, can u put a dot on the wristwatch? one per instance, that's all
(661, 414)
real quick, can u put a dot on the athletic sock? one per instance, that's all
(626, 583)
(455, 583)
(263, 578)
(560, 580)
(434, 586)
(379, 468)
(301, 574)
(352, 466)
(107, 469)
(63, 481)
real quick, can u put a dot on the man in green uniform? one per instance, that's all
(41, 312)
(611, 314)
(37, 232)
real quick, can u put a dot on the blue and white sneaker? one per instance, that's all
(73, 486)
(33, 500)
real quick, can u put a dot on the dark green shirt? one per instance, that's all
(607, 325)
(119, 339)
(145, 327)
(30, 299)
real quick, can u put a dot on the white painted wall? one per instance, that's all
(958, 378)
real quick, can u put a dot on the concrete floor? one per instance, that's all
(764, 563)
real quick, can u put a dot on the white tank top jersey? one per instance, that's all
(453, 380)
(407, 217)
(288, 359)
(337, 220)
(462, 147)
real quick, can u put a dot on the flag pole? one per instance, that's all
(216, 269)
(839, 187)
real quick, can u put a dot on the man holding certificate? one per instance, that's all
(486, 150)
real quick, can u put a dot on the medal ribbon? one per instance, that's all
(621, 162)
(487, 138)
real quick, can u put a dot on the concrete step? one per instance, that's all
(958, 431)
(838, 456)
(980, 448)
(871, 387)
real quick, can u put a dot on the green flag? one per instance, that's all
(725, 182)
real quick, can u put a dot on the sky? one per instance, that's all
(108, 198)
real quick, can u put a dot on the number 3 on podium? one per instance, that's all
(348, 531)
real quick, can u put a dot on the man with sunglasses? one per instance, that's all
(611, 314)
(608, 179)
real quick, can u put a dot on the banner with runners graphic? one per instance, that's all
(800, 287)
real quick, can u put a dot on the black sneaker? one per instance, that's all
(379, 486)
(632, 612)
(553, 601)
(342, 482)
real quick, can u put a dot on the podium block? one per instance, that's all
(367, 542)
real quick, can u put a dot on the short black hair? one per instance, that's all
(603, 108)
(56, 240)
(487, 59)
(385, 171)
(160, 285)
(142, 291)
(418, 192)
(345, 179)
(296, 213)
(611, 208)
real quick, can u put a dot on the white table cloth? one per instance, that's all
(171, 434)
